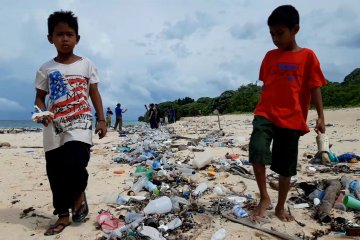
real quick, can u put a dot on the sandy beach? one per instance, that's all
(26, 202)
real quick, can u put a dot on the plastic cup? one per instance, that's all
(351, 202)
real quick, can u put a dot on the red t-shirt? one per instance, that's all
(288, 77)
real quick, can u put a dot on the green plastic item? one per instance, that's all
(149, 174)
(140, 169)
(351, 202)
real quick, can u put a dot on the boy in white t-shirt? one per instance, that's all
(69, 81)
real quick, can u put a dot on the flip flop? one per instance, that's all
(52, 230)
(108, 222)
(79, 215)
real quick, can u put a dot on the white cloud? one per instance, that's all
(9, 105)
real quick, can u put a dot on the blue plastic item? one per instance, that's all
(347, 157)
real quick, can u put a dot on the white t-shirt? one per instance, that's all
(68, 87)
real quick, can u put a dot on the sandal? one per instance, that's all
(54, 229)
(80, 214)
(108, 222)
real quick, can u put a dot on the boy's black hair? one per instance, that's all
(286, 15)
(62, 17)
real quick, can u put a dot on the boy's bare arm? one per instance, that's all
(40, 98)
(40, 103)
(97, 103)
(316, 99)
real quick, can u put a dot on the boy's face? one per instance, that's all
(283, 37)
(64, 38)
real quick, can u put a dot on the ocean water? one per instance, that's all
(19, 124)
(30, 124)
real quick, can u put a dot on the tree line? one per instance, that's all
(245, 98)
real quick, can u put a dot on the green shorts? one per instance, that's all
(283, 155)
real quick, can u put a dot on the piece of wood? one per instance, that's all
(248, 223)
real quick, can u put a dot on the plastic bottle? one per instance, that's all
(345, 182)
(200, 189)
(175, 204)
(238, 211)
(112, 198)
(119, 231)
(138, 186)
(354, 185)
(122, 199)
(156, 165)
(132, 216)
(202, 159)
(316, 194)
(160, 205)
(219, 234)
(175, 223)
(322, 141)
(152, 188)
(185, 171)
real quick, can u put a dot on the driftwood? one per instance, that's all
(31, 147)
(331, 191)
(248, 223)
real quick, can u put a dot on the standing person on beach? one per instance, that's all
(152, 116)
(109, 114)
(69, 80)
(292, 77)
(118, 113)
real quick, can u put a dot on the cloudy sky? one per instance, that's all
(161, 50)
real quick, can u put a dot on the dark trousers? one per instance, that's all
(67, 174)
(118, 122)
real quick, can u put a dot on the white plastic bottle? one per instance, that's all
(200, 189)
(219, 234)
(186, 171)
(175, 223)
(160, 206)
(203, 159)
(139, 185)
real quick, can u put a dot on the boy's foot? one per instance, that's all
(58, 227)
(259, 211)
(283, 215)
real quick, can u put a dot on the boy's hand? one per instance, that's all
(45, 120)
(101, 129)
(320, 126)
(43, 117)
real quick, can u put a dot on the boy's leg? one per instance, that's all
(259, 156)
(260, 175)
(284, 162)
(55, 169)
(280, 212)
(79, 155)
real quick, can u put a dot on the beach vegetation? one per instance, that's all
(244, 99)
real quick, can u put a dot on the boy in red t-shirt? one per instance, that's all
(292, 77)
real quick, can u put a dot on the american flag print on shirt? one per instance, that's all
(69, 98)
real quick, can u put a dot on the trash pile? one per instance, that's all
(171, 195)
